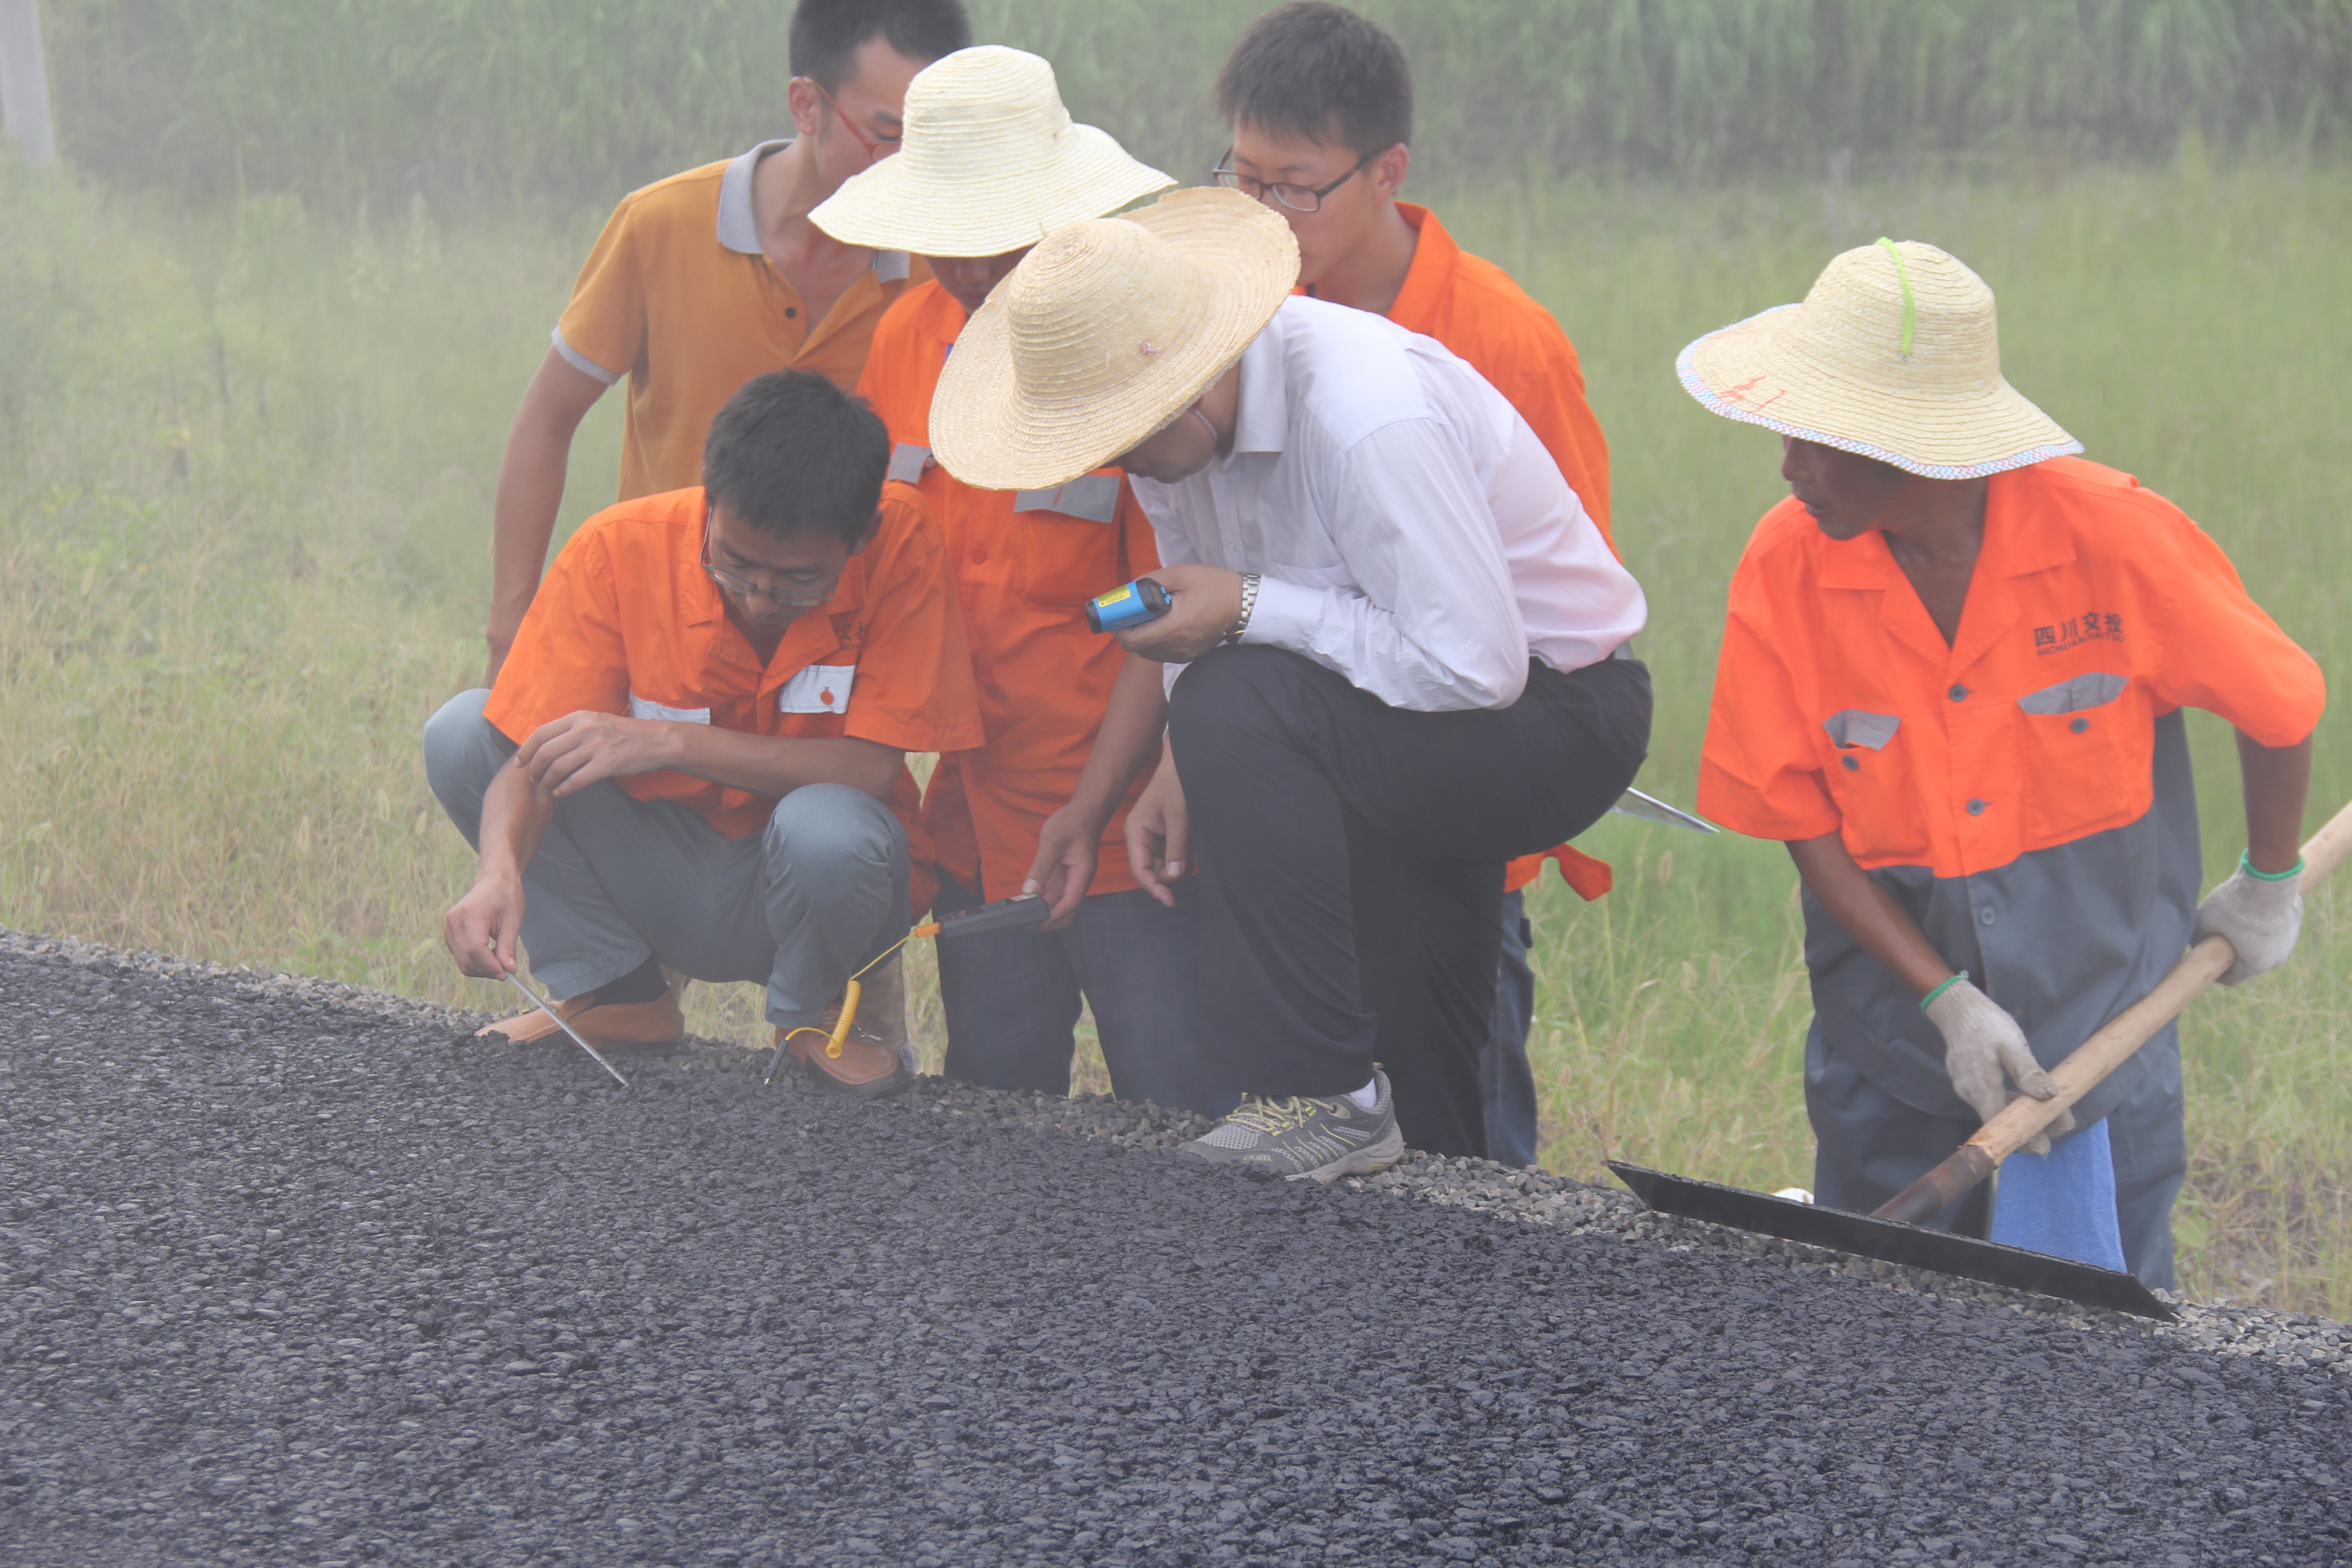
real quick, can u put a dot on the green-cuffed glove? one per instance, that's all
(1981, 1044)
(2261, 916)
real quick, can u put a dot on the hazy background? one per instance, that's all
(262, 333)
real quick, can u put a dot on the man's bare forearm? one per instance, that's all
(514, 815)
(1868, 913)
(1128, 742)
(777, 765)
(531, 493)
(2277, 785)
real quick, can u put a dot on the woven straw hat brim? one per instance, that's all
(990, 433)
(1762, 372)
(900, 204)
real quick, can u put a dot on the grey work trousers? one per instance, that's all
(1870, 1146)
(803, 905)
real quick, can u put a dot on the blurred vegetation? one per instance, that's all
(569, 101)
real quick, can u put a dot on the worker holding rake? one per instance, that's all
(1951, 682)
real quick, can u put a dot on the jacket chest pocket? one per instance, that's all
(1871, 776)
(819, 688)
(1068, 541)
(2085, 746)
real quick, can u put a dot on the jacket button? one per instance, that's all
(2079, 725)
(1852, 765)
(1976, 808)
(1984, 917)
(1960, 694)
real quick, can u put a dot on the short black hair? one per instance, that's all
(828, 34)
(793, 451)
(1311, 68)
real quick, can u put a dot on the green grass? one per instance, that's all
(579, 99)
(246, 462)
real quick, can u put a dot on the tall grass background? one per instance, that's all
(501, 101)
(251, 406)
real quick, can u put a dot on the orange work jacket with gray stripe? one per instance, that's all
(2023, 791)
(680, 297)
(628, 622)
(1485, 318)
(1024, 563)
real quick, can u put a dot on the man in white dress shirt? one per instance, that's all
(1391, 664)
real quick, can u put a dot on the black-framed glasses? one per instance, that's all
(799, 598)
(876, 148)
(1298, 198)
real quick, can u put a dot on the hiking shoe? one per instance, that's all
(1302, 1136)
(660, 1022)
(870, 1064)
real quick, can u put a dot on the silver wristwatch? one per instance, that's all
(1249, 608)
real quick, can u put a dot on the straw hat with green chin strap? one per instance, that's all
(1107, 332)
(1894, 355)
(991, 162)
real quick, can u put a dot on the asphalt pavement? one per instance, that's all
(289, 1281)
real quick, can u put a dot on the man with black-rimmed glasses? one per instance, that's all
(696, 754)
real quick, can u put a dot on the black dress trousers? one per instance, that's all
(1352, 860)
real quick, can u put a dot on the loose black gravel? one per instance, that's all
(290, 1280)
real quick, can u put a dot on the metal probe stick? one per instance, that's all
(532, 998)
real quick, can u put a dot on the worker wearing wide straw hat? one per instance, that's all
(1399, 625)
(990, 163)
(1951, 682)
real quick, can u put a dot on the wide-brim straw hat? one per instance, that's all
(1895, 354)
(1104, 333)
(990, 162)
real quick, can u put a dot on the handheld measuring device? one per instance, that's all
(1127, 605)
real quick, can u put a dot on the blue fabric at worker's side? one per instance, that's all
(1503, 1070)
(2062, 1202)
(1872, 1146)
(1011, 999)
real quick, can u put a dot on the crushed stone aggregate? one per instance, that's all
(290, 1272)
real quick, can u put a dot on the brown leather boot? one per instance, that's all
(873, 1061)
(659, 1022)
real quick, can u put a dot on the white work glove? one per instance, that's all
(1982, 1043)
(2261, 916)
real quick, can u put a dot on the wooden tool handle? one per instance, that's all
(2026, 1118)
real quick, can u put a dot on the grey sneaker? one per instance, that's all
(1299, 1137)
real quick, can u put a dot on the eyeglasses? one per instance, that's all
(792, 599)
(1298, 198)
(876, 149)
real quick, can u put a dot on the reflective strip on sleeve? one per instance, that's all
(908, 462)
(2095, 689)
(581, 362)
(1094, 497)
(641, 709)
(1852, 727)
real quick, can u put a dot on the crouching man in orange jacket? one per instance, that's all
(695, 754)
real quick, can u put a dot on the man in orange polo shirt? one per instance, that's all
(1951, 683)
(1318, 101)
(709, 277)
(696, 754)
(992, 162)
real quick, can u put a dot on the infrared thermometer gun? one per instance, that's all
(1131, 604)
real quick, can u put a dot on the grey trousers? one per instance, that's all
(1870, 1146)
(803, 905)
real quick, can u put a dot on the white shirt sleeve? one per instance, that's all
(1414, 528)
